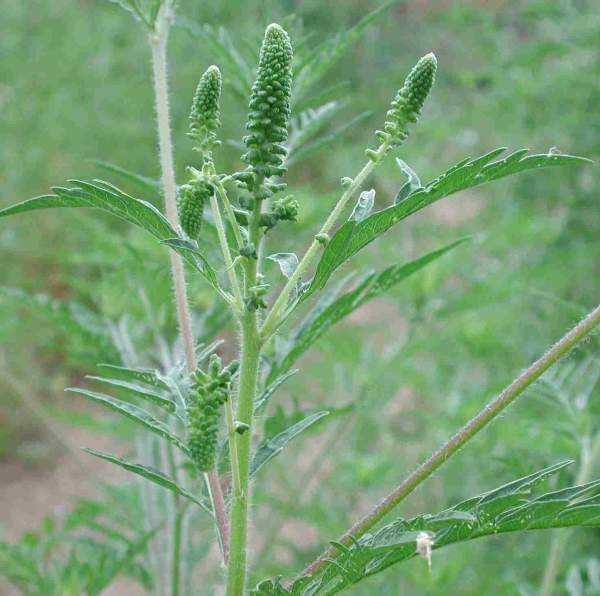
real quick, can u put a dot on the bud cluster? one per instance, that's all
(269, 113)
(408, 103)
(205, 116)
(211, 389)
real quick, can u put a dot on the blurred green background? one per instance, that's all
(75, 86)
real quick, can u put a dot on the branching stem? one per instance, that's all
(465, 434)
(274, 318)
(158, 43)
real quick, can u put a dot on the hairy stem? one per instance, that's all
(465, 434)
(158, 44)
(589, 454)
(273, 319)
(249, 365)
(233, 280)
(230, 214)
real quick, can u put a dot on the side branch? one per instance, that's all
(465, 434)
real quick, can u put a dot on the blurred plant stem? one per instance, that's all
(590, 452)
(562, 347)
(158, 43)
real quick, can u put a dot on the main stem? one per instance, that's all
(158, 44)
(250, 357)
(465, 434)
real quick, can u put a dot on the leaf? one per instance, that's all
(303, 151)
(274, 446)
(142, 375)
(363, 206)
(105, 196)
(138, 391)
(368, 288)
(315, 64)
(149, 473)
(509, 508)
(148, 184)
(413, 183)
(134, 413)
(265, 396)
(287, 261)
(352, 236)
(71, 317)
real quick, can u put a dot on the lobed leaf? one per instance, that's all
(352, 236)
(140, 391)
(134, 413)
(105, 196)
(368, 288)
(509, 508)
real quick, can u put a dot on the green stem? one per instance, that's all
(235, 468)
(230, 214)
(176, 559)
(233, 280)
(249, 365)
(589, 454)
(464, 435)
(274, 318)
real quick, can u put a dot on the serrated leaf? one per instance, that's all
(137, 391)
(143, 375)
(149, 473)
(352, 236)
(274, 446)
(471, 519)
(105, 196)
(368, 288)
(134, 413)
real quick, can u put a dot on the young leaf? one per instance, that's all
(352, 236)
(135, 390)
(413, 183)
(155, 476)
(509, 508)
(368, 288)
(363, 206)
(134, 413)
(274, 446)
(287, 262)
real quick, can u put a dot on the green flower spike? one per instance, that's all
(269, 112)
(408, 103)
(209, 392)
(190, 205)
(205, 116)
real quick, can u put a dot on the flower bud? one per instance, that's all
(205, 117)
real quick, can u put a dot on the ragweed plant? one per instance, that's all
(203, 412)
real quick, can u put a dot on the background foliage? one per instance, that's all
(406, 369)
